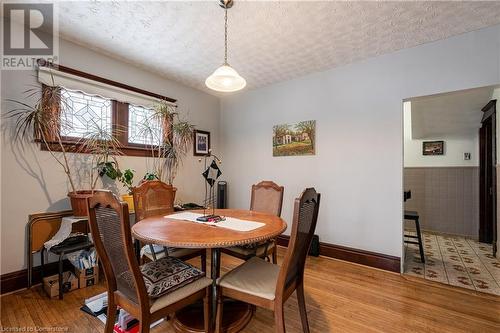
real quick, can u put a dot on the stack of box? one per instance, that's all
(85, 273)
(86, 267)
(51, 284)
(87, 276)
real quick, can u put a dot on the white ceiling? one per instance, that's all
(268, 41)
(452, 115)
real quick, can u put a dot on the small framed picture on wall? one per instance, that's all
(433, 148)
(201, 143)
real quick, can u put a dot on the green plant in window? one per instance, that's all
(127, 178)
(150, 176)
(103, 146)
(171, 143)
(109, 169)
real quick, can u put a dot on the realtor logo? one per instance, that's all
(29, 34)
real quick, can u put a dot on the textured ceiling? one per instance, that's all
(453, 115)
(268, 41)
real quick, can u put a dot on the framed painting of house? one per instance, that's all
(294, 139)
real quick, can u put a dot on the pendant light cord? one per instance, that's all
(225, 36)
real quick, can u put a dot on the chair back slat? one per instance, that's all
(152, 198)
(110, 227)
(305, 216)
(267, 197)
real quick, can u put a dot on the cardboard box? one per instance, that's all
(87, 276)
(51, 284)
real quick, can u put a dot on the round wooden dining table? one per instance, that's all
(171, 232)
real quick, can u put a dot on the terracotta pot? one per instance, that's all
(129, 199)
(78, 201)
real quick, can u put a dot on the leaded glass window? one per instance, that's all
(143, 127)
(83, 114)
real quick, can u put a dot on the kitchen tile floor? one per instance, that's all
(457, 261)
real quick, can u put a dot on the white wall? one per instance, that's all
(454, 148)
(359, 115)
(33, 182)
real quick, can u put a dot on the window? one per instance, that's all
(93, 103)
(143, 127)
(82, 114)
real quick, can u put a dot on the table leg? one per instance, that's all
(214, 274)
(236, 314)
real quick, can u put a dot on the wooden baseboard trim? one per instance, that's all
(367, 258)
(19, 280)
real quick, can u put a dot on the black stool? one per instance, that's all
(413, 216)
(61, 250)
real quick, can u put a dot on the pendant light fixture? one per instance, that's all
(225, 78)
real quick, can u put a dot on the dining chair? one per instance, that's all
(153, 198)
(263, 284)
(148, 292)
(267, 197)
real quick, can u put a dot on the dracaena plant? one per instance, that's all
(41, 122)
(103, 146)
(171, 138)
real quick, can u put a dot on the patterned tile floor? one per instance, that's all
(456, 261)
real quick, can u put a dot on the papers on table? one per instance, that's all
(229, 223)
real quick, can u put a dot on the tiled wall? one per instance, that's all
(446, 198)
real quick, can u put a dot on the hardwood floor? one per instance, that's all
(340, 297)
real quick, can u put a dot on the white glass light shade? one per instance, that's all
(225, 79)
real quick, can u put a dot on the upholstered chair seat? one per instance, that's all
(255, 277)
(179, 294)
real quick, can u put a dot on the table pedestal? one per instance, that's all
(236, 315)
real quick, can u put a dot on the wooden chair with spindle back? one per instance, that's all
(263, 284)
(154, 198)
(110, 227)
(267, 197)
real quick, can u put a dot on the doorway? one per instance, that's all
(450, 189)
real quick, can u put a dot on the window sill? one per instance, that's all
(75, 147)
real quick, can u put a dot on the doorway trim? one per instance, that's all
(488, 176)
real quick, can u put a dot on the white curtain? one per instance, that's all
(53, 77)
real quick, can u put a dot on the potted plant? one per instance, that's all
(150, 176)
(41, 122)
(172, 137)
(102, 147)
(126, 178)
